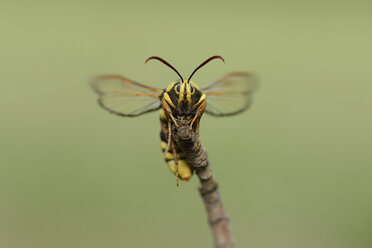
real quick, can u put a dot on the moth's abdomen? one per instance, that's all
(184, 170)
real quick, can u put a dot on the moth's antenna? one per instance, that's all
(166, 63)
(204, 63)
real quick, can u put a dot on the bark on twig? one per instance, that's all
(187, 140)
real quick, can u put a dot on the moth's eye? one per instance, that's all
(177, 89)
(192, 89)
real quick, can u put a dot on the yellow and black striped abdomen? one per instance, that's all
(184, 170)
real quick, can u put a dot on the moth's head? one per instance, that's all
(184, 97)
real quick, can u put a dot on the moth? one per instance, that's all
(183, 101)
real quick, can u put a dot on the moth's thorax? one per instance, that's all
(183, 98)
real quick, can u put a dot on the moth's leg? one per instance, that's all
(168, 112)
(197, 133)
(169, 136)
(199, 113)
(175, 161)
(196, 119)
(193, 120)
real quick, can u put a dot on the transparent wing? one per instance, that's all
(125, 97)
(231, 94)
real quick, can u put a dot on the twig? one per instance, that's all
(197, 158)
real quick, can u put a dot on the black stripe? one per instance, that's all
(174, 98)
(195, 97)
(162, 137)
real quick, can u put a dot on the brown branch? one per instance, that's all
(187, 140)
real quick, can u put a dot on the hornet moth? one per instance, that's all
(181, 102)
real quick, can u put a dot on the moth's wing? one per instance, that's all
(231, 94)
(125, 97)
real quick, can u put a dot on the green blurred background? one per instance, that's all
(295, 170)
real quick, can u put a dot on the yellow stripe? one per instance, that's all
(167, 98)
(168, 155)
(182, 92)
(162, 115)
(195, 85)
(170, 87)
(163, 145)
(184, 170)
(188, 93)
(201, 99)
